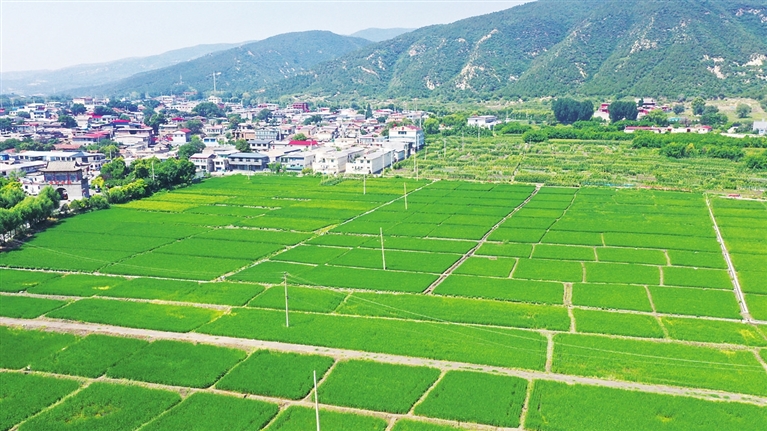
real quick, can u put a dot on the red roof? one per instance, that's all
(185, 130)
(303, 143)
(177, 119)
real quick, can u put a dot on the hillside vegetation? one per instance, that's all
(638, 47)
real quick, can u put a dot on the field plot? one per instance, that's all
(556, 406)
(502, 347)
(275, 374)
(302, 418)
(201, 412)
(105, 406)
(625, 285)
(136, 315)
(662, 363)
(475, 397)
(24, 395)
(375, 386)
(27, 308)
(178, 364)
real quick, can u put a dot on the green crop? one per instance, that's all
(410, 425)
(697, 259)
(90, 356)
(622, 273)
(311, 254)
(541, 292)
(27, 308)
(693, 277)
(498, 267)
(275, 374)
(713, 331)
(502, 347)
(104, 406)
(17, 281)
(460, 310)
(78, 285)
(603, 322)
(300, 299)
(559, 252)
(185, 291)
(297, 418)
(24, 395)
(631, 255)
(168, 265)
(22, 348)
(202, 412)
(136, 314)
(611, 296)
(376, 386)
(397, 260)
(475, 397)
(178, 364)
(556, 406)
(695, 302)
(659, 363)
(508, 250)
(553, 270)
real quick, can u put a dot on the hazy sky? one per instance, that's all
(50, 34)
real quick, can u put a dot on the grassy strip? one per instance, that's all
(201, 412)
(410, 425)
(476, 397)
(23, 307)
(136, 314)
(553, 270)
(557, 406)
(461, 310)
(693, 277)
(276, 374)
(23, 395)
(103, 406)
(297, 418)
(178, 364)
(377, 386)
(502, 347)
(659, 363)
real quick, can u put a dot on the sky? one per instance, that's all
(51, 34)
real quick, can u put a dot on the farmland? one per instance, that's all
(466, 308)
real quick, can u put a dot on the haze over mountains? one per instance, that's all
(543, 48)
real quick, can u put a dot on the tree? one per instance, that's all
(657, 117)
(264, 115)
(6, 124)
(242, 146)
(208, 110)
(623, 111)
(678, 109)
(368, 112)
(194, 126)
(114, 170)
(314, 119)
(698, 105)
(188, 150)
(431, 126)
(23, 114)
(300, 137)
(568, 111)
(234, 121)
(78, 109)
(104, 110)
(743, 110)
(67, 122)
(534, 136)
(155, 121)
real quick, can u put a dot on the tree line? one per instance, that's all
(19, 212)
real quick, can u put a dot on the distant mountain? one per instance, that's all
(381, 34)
(68, 78)
(248, 67)
(547, 48)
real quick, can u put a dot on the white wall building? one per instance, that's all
(484, 121)
(760, 127)
(334, 162)
(372, 162)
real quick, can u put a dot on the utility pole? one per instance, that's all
(316, 402)
(444, 143)
(415, 161)
(364, 184)
(405, 185)
(285, 282)
(152, 169)
(383, 253)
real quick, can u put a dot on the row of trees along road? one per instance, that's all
(20, 213)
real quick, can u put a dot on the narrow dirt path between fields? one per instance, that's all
(343, 354)
(471, 252)
(730, 267)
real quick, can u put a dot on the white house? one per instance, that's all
(411, 135)
(484, 121)
(760, 127)
(334, 162)
(372, 162)
(296, 161)
(181, 136)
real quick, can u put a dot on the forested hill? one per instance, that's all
(554, 47)
(244, 68)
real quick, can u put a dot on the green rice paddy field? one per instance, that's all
(467, 306)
